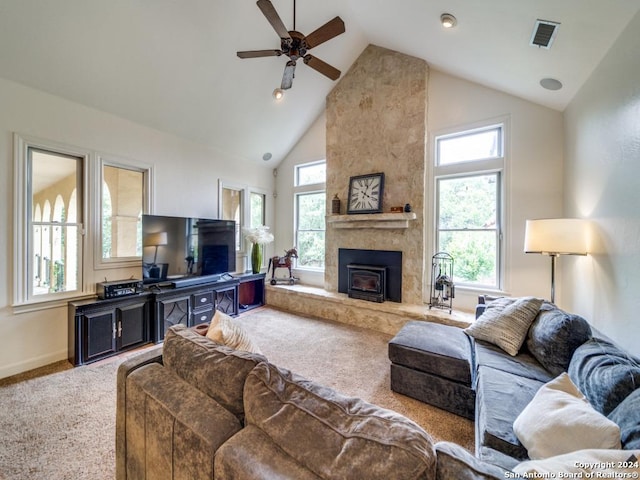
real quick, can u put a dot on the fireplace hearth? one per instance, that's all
(367, 282)
(370, 266)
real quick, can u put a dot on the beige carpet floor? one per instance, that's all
(59, 422)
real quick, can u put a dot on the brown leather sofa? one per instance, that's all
(195, 409)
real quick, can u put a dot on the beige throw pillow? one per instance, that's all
(223, 329)
(505, 322)
(560, 420)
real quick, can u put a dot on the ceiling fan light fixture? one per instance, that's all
(448, 20)
(278, 93)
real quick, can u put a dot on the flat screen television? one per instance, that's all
(180, 249)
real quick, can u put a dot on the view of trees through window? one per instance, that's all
(467, 226)
(310, 239)
(311, 209)
(257, 210)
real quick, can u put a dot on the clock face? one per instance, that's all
(365, 193)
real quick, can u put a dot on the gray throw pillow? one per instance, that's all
(627, 416)
(505, 322)
(553, 337)
(604, 373)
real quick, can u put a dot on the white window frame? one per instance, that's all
(147, 196)
(300, 166)
(22, 239)
(306, 189)
(471, 168)
(245, 190)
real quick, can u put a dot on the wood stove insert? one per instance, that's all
(367, 282)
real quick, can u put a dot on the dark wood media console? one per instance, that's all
(102, 328)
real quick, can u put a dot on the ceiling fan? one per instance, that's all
(295, 45)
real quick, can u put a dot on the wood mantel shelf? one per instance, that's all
(372, 220)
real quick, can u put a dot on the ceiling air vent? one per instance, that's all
(544, 32)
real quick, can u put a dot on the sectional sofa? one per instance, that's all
(194, 408)
(470, 373)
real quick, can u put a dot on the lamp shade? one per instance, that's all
(155, 239)
(557, 236)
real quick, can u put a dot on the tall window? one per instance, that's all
(310, 208)
(123, 199)
(48, 256)
(468, 175)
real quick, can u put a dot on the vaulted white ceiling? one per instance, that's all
(172, 64)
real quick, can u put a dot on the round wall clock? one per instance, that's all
(365, 193)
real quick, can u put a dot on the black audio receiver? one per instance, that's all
(119, 288)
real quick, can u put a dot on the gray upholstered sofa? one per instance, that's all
(194, 409)
(443, 366)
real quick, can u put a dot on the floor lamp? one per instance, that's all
(555, 237)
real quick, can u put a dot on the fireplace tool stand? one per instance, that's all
(442, 287)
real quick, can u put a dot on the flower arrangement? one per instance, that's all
(258, 235)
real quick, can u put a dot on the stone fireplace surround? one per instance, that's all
(377, 122)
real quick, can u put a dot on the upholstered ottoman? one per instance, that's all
(433, 363)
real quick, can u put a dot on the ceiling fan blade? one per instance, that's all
(322, 67)
(331, 29)
(287, 77)
(259, 53)
(269, 11)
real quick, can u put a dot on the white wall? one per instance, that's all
(37, 338)
(602, 174)
(534, 173)
(311, 147)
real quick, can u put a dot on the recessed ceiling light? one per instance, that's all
(267, 156)
(448, 20)
(551, 84)
(278, 93)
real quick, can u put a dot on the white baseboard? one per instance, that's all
(32, 363)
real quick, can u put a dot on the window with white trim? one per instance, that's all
(124, 195)
(468, 174)
(50, 214)
(310, 212)
(54, 185)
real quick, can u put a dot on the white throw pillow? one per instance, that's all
(505, 322)
(223, 329)
(559, 420)
(606, 463)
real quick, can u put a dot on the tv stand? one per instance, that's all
(195, 300)
(102, 328)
